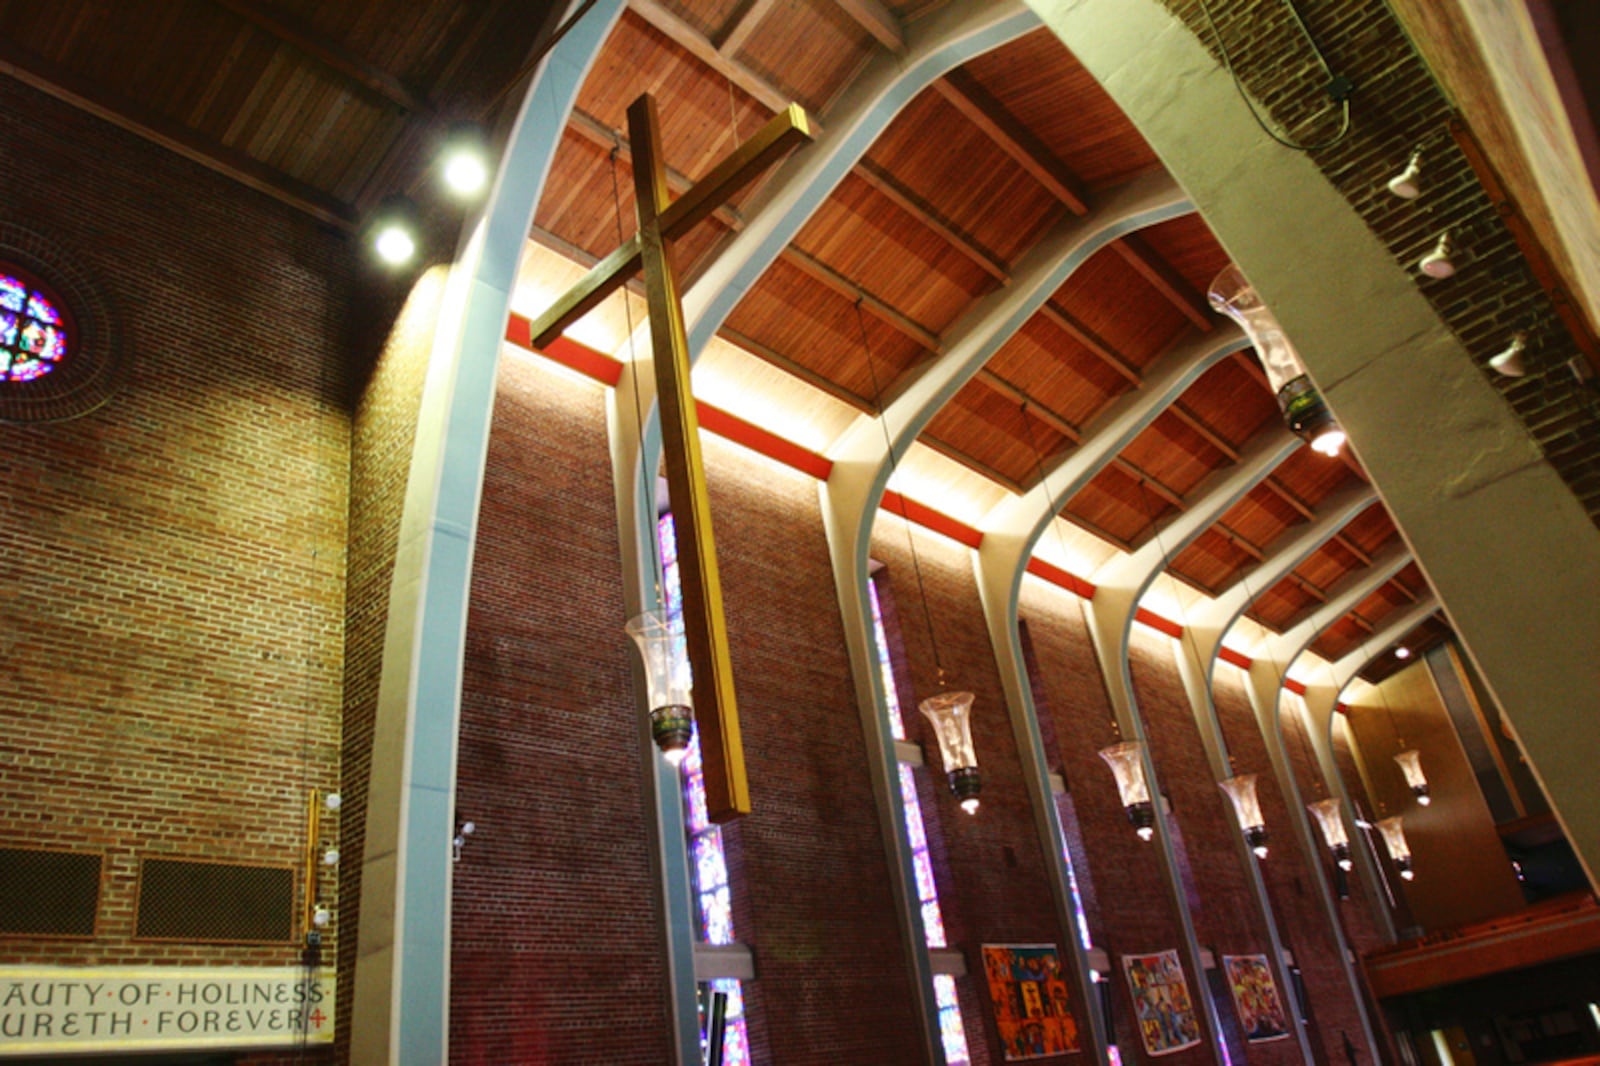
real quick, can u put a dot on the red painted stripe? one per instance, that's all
(1228, 655)
(569, 353)
(922, 515)
(1155, 621)
(716, 420)
(1294, 686)
(1057, 576)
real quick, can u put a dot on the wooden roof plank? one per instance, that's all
(1173, 287)
(743, 26)
(696, 44)
(1095, 345)
(842, 285)
(877, 20)
(975, 102)
(925, 213)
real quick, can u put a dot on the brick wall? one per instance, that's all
(1397, 107)
(172, 565)
(557, 950)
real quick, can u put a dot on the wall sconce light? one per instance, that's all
(464, 160)
(1509, 362)
(1411, 765)
(1333, 833)
(1394, 839)
(951, 715)
(459, 841)
(1408, 183)
(330, 856)
(333, 800)
(1241, 789)
(321, 916)
(1127, 765)
(1304, 410)
(1438, 263)
(670, 683)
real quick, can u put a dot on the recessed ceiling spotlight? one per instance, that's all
(465, 160)
(1402, 652)
(393, 230)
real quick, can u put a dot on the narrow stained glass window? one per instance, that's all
(708, 863)
(35, 335)
(951, 1031)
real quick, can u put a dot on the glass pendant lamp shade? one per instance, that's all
(1241, 789)
(1394, 839)
(1333, 833)
(1302, 405)
(951, 715)
(1411, 765)
(666, 671)
(1127, 764)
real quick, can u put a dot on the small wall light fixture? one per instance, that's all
(1411, 765)
(464, 160)
(321, 916)
(393, 230)
(1394, 839)
(330, 856)
(333, 800)
(670, 683)
(1326, 812)
(1509, 362)
(465, 830)
(1304, 410)
(1127, 765)
(1408, 183)
(951, 715)
(1241, 789)
(1438, 263)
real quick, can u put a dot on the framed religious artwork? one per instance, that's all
(1255, 998)
(1031, 999)
(1162, 1005)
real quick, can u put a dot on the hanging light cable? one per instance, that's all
(950, 713)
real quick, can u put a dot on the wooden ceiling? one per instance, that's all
(331, 106)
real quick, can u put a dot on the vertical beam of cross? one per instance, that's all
(661, 221)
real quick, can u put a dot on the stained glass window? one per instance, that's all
(708, 863)
(951, 1031)
(34, 333)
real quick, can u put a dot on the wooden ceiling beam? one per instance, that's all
(1173, 287)
(599, 134)
(85, 94)
(1044, 414)
(1240, 541)
(977, 466)
(743, 26)
(819, 271)
(697, 45)
(1189, 418)
(353, 67)
(925, 213)
(805, 374)
(1087, 337)
(1098, 531)
(1170, 495)
(980, 107)
(877, 20)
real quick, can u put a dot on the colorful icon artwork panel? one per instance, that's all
(1161, 1002)
(1255, 998)
(1031, 999)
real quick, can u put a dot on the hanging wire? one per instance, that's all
(633, 361)
(1339, 88)
(911, 540)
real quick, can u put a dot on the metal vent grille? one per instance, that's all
(215, 902)
(48, 893)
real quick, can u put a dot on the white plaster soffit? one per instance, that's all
(1014, 527)
(934, 46)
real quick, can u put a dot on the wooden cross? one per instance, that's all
(661, 221)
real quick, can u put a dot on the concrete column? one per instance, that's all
(402, 980)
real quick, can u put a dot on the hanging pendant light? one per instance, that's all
(1333, 833)
(1304, 410)
(1241, 789)
(1411, 765)
(1127, 765)
(951, 715)
(666, 671)
(1394, 839)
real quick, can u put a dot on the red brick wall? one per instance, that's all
(557, 949)
(1135, 907)
(173, 564)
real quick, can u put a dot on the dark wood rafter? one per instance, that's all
(820, 271)
(729, 43)
(1172, 286)
(696, 44)
(966, 459)
(878, 21)
(809, 376)
(70, 87)
(979, 106)
(600, 135)
(358, 70)
(923, 212)
(1091, 341)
